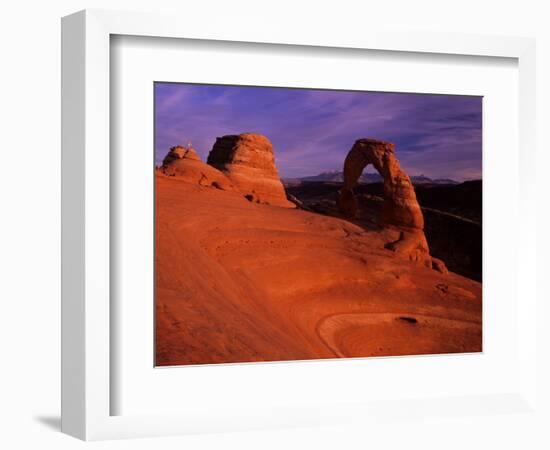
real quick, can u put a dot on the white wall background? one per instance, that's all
(30, 195)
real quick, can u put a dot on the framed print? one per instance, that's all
(305, 253)
(263, 229)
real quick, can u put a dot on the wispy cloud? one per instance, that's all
(312, 130)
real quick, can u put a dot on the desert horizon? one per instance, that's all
(345, 224)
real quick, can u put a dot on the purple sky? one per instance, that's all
(312, 130)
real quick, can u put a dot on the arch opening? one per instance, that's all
(401, 209)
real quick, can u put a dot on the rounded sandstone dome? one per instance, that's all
(185, 164)
(179, 152)
(248, 160)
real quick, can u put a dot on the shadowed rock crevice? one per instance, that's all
(401, 209)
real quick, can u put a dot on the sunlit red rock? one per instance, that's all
(185, 164)
(401, 209)
(248, 160)
(238, 281)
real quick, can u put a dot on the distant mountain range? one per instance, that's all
(365, 178)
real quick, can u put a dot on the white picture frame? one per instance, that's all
(86, 284)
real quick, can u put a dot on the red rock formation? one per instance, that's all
(249, 162)
(185, 163)
(401, 209)
(179, 152)
(238, 282)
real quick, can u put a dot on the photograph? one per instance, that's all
(298, 224)
(289, 225)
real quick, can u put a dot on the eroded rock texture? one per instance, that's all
(401, 209)
(185, 163)
(249, 162)
(179, 152)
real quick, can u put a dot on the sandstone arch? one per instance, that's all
(401, 208)
(400, 205)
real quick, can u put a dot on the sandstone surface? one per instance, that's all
(248, 160)
(185, 164)
(238, 281)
